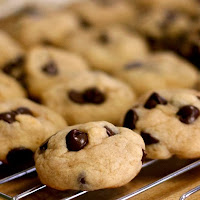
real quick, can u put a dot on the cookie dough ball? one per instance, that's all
(12, 56)
(108, 48)
(103, 13)
(47, 66)
(169, 123)
(45, 29)
(90, 156)
(90, 97)
(159, 71)
(10, 88)
(24, 125)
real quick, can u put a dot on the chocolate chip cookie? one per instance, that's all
(24, 125)
(47, 66)
(45, 29)
(91, 96)
(158, 71)
(169, 123)
(10, 88)
(12, 56)
(108, 48)
(103, 13)
(90, 156)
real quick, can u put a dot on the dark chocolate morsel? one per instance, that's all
(133, 65)
(50, 68)
(82, 181)
(93, 95)
(76, 97)
(153, 100)
(188, 114)
(109, 131)
(23, 111)
(9, 67)
(143, 156)
(19, 156)
(148, 139)
(84, 23)
(76, 140)
(8, 117)
(44, 146)
(130, 119)
(103, 38)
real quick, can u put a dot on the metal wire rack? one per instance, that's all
(80, 193)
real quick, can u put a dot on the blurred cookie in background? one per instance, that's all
(89, 97)
(158, 71)
(108, 48)
(12, 56)
(48, 66)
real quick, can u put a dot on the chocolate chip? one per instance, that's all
(198, 97)
(8, 117)
(133, 65)
(143, 156)
(44, 146)
(109, 131)
(50, 68)
(84, 23)
(93, 95)
(130, 119)
(103, 38)
(82, 181)
(19, 156)
(188, 114)
(76, 96)
(23, 111)
(9, 67)
(148, 139)
(153, 100)
(76, 140)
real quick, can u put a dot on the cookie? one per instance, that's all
(169, 123)
(190, 8)
(108, 48)
(10, 88)
(47, 29)
(12, 56)
(90, 156)
(158, 71)
(163, 24)
(48, 66)
(24, 125)
(90, 97)
(103, 13)
(190, 46)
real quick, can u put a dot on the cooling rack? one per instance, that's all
(40, 187)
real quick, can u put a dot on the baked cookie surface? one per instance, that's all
(108, 48)
(91, 96)
(103, 13)
(10, 88)
(12, 56)
(87, 157)
(24, 126)
(158, 71)
(169, 122)
(47, 66)
(45, 29)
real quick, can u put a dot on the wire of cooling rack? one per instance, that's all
(79, 193)
(190, 192)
